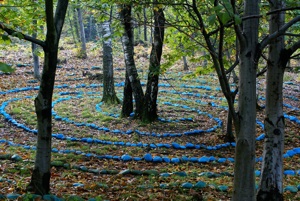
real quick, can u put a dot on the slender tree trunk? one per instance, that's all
(229, 137)
(145, 24)
(36, 63)
(244, 166)
(76, 24)
(127, 106)
(271, 187)
(185, 64)
(127, 42)
(72, 26)
(40, 180)
(83, 53)
(109, 94)
(150, 108)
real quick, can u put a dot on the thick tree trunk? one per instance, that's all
(40, 180)
(244, 167)
(109, 94)
(271, 187)
(150, 106)
(127, 42)
(83, 53)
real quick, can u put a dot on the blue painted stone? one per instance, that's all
(257, 173)
(184, 158)
(189, 145)
(286, 156)
(231, 159)
(298, 187)
(203, 159)
(126, 158)
(137, 158)
(12, 196)
(89, 140)
(297, 150)
(193, 159)
(197, 146)
(166, 159)
(175, 145)
(55, 150)
(153, 146)
(175, 160)
(108, 156)
(291, 153)
(78, 185)
(212, 158)
(164, 174)
(187, 185)
(200, 184)
(148, 157)
(222, 160)
(289, 172)
(163, 185)
(292, 189)
(180, 173)
(222, 188)
(129, 132)
(124, 172)
(157, 159)
(16, 157)
(298, 172)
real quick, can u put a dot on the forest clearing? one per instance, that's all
(149, 100)
(97, 154)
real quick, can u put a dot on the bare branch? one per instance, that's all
(25, 37)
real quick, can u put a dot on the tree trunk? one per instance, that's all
(145, 24)
(36, 63)
(73, 28)
(109, 94)
(272, 167)
(150, 106)
(127, 105)
(40, 180)
(244, 167)
(185, 64)
(83, 54)
(127, 42)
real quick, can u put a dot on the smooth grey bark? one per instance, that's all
(109, 94)
(73, 28)
(127, 43)
(245, 126)
(36, 63)
(185, 64)
(150, 105)
(271, 187)
(83, 53)
(40, 180)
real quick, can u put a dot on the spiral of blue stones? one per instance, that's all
(147, 157)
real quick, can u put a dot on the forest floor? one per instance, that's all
(97, 154)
